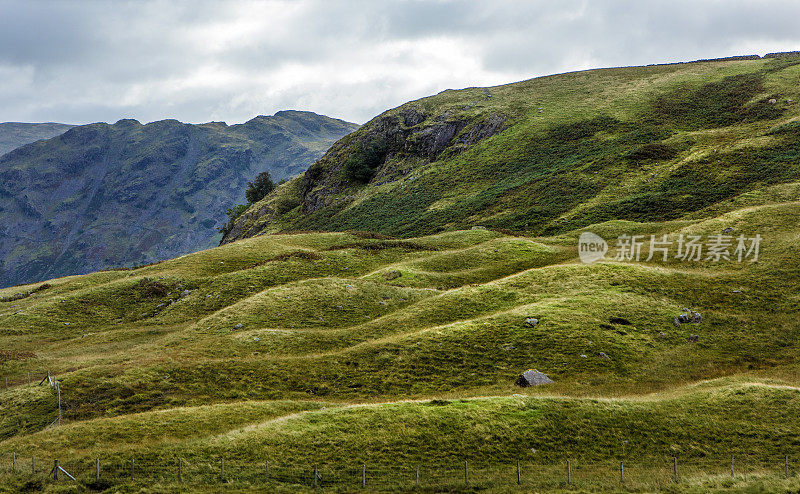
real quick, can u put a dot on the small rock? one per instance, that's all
(693, 338)
(256, 338)
(772, 101)
(238, 326)
(727, 229)
(532, 378)
(531, 322)
(603, 355)
(584, 356)
(185, 293)
(477, 227)
(350, 287)
(662, 334)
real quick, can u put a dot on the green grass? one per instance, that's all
(348, 347)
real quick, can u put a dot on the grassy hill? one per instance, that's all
(101, 195)
(343, 349)
(16, 134)
(555, 153)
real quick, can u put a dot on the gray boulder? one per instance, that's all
(532, 377)
(531, 322)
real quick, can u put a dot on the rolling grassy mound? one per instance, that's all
(337, 349)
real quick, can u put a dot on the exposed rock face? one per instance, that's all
(405, 139)
(101, 196)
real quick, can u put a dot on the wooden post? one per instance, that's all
(675, 468)
(364, 475)
(55, 469)
(519, 477)
(569, 473)
(180, 469)
(732, 466)
(266, 472)
(13, 462)
(58, 388)
(466, 474)
(622, 472)
(133, 467)
(222, 468)
(29, 378)
(97, 469)
(315, 477)
(417, 476)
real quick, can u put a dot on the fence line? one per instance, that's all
(229, 470)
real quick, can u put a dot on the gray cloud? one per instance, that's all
(197, 61)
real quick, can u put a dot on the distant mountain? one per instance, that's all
(552, 154)
(15, 134)
(101, 195)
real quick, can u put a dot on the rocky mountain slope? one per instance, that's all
(15, 134)
(555, 153)
(101, 196)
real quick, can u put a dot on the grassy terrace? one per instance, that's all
(404, 352)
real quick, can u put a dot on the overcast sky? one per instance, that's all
(88, 61)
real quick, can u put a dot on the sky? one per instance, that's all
(198, 61)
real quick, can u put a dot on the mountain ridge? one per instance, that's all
(109, 195)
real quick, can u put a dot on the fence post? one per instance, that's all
(13, 462)
(732, 466)
(97, 469)
(569, 473)
(364, 475)
(622, 472)
(675, 468)
(133, 467)
(266, 472)
(466, 475)
(519, 477)
(417, 475)
(222, 468)
(315, 476)
(55, 469)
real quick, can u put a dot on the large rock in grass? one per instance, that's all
(532, 377)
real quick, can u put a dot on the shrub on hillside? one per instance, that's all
(259, 188)
(362, 163)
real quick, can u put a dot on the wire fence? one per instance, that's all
(629, 474)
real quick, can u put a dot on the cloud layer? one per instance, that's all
(197, 61)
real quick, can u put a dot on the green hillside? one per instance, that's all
(101, 196)
(366, 355)
(555, 153)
